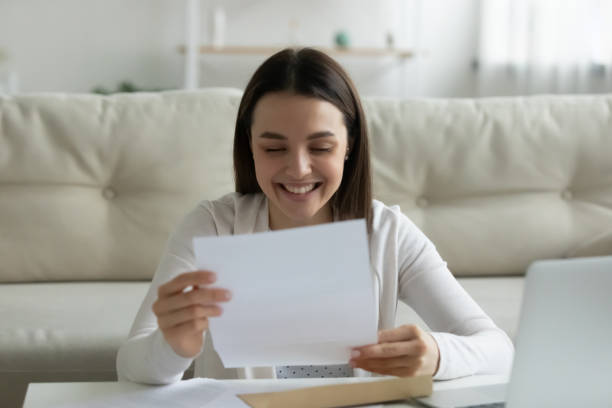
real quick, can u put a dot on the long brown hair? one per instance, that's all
(311, 73)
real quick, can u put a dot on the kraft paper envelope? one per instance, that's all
(341, 395)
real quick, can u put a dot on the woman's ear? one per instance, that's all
(349, 145)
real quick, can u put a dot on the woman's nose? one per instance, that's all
(298, 165)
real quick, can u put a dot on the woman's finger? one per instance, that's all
(413, 348)
(184, 280)
(401, 333)
(385, 363)
(204, 296)
(191, 313)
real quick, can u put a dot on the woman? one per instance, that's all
(301, 158)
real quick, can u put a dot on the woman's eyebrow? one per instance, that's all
(324, 133)
(278, 136)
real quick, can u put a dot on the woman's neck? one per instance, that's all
(277, 220)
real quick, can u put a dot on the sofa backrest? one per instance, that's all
(497, 183)
(91, 186)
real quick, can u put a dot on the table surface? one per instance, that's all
(75, 394)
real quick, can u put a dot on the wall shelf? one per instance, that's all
(193, 50)
(269, 50)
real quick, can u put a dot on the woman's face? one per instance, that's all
(299, 144)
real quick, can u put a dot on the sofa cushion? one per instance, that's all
(600, 245)
(496, 183)
(66, 327)
(91, 186)
(63, 332)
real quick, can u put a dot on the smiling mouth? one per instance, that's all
(303, 189)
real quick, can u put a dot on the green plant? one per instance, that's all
(124, 86)
(342, 39)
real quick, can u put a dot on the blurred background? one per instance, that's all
(395, 48)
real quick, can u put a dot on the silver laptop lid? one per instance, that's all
(564, 343)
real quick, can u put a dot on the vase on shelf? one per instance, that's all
(218, 27)
(294, 36)
(9, 80)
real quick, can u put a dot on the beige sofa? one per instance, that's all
(90, 187)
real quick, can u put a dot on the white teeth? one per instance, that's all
(299, 190)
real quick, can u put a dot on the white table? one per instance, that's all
(75, 394)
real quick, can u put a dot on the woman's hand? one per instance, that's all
(404, 352)
(182, 314)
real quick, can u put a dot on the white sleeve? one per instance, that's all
(469, 342)
(146, 357)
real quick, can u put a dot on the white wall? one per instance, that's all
(449, 33)
(75, 45)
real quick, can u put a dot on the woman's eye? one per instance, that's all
(312, 149)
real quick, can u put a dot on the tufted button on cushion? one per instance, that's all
(567, 195)
(109, 193)
(422, 202)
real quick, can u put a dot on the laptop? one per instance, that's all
(563, 355)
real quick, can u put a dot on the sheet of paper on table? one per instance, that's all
(194, 393)
(299, 296)
(208, 393)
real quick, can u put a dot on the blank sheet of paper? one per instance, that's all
(299, 296)
(194, 393)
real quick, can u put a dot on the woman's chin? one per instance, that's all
(301, 215)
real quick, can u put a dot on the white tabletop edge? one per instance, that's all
(45, 394)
